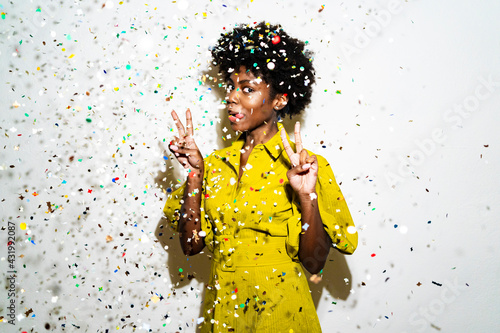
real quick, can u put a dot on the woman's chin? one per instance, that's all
(237, 126)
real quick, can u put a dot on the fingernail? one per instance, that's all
(306, 166)
(174, 147)
(176, 154)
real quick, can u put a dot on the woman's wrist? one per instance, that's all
(307, 197)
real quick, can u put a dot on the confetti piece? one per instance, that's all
(315, 278)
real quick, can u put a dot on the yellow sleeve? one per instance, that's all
(172, 211)
(173, 206)
(336, 217)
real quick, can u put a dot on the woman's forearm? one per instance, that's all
(190, 218)
(315, 243)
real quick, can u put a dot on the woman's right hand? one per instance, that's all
(184, 148)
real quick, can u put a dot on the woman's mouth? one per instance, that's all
(235, 117)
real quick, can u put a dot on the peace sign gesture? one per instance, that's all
(304, 172)
(183, 147)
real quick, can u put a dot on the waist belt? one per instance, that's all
(234, 252)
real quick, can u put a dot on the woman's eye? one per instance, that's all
(229, 87)
(247, 90)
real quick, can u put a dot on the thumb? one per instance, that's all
(299, 169)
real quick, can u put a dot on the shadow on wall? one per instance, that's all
(336, 278)
(193, 267)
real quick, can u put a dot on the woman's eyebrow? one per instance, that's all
(252, 81)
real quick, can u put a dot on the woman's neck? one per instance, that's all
(261, 135)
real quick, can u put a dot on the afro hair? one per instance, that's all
(269, 52)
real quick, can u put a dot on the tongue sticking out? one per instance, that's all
(236, 117)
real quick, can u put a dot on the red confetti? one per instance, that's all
(281, 181)
(276, 39)
(373, 255)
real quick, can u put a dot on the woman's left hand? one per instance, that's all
(304, 172)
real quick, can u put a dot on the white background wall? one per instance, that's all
(412, 135)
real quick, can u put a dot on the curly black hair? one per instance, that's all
(267, 51)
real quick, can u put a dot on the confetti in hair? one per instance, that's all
(267, 51)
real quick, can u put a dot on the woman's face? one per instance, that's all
(249, 104)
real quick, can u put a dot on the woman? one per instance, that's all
(265, 205)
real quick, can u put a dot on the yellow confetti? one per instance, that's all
(23, 226)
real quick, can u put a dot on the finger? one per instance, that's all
(286, 144)
(174, 141)
(183, 150)
(180, 127)
(303, 156)
(298, 139)
(189, 122)
(298, 170)
(313, 161)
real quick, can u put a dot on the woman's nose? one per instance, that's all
(232, 96)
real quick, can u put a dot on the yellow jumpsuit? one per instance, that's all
(257, 283)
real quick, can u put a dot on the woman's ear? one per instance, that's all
(280, 101)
